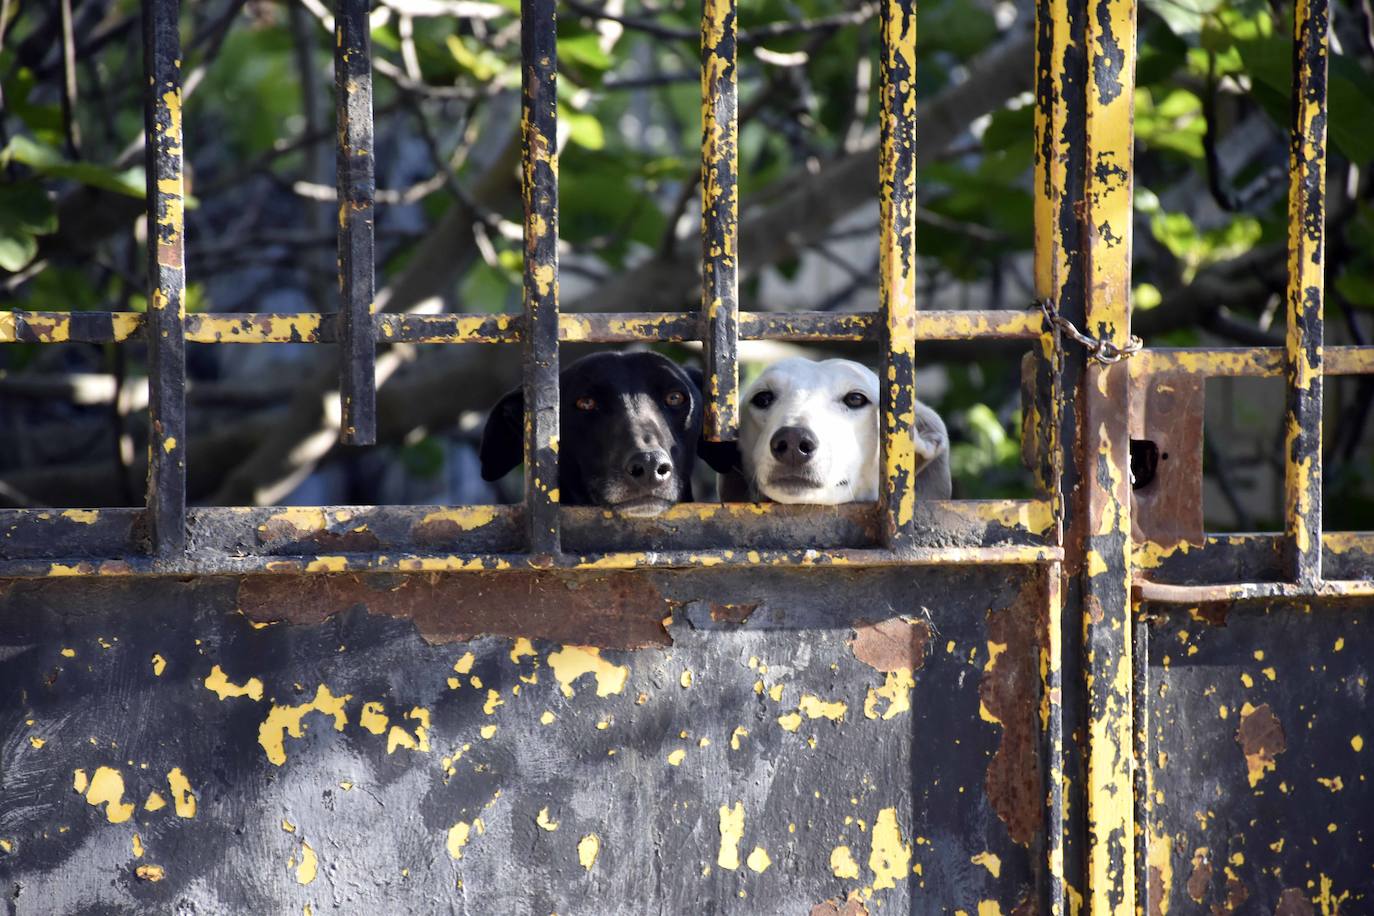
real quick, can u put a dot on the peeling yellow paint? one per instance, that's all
(588, 848)
(731, 832)
(284, 720)
(889, 858)
(815, 708)
(159, 665)
(219, 682)
(686, 679)
(399, 737)
(991, 861)
(523, 647)
(309, 865)
(896, 690)
(155, 802)
(183, 800)
(464, 664)
(676, 757)
(80, 781)
(739, 732)
(1357, 743)
(493, 700)
(790, 721)
(69, 653)
(758, 860)
(37, 742)
(572, 662)
(544, 821)
(107, 788)
(842, 864)
(373, 717)
(152, 873)
(82, 516)
(488, 732)
(989, 908)
(458, 838)
(548, 718)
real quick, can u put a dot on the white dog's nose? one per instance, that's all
(793, 445)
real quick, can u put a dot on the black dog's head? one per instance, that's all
(630, 425)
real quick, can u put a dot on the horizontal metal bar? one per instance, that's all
(1254, 362)
(456, 563)
(1160, 593)
(1224, 558)
(308, 532)
(507, 328)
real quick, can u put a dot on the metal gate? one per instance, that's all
(1072, 702)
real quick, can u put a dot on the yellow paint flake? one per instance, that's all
(69, 653)
(989, 908)
(1247, 680)
(305, 872)
(1270, 673)
(544, 821)
(288, 826)
(522, 648)
(572, 662)
(842, 864)
(219, 682)
(731, 832)
(686, 679)
(889, 857)
(588, 848)
(739, 732)
(493, 700)
(790, 721)
(1357, 743)
(373, 717)
(183, 799)
(775, 692)
(991, 861)
(37, 742)
(896, 690)
(6, 845)
(676, 757)
(758, 860)
(547, 718)
(284, 720)
(488, 731)
(152, 873)
(137, 843)
(155, 802)
(815, 708)
(458, 838)
(80, 781)
(464, 664)
(159, 665)
(399, 737)
(107, 788)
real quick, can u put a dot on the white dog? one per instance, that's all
(809, 434)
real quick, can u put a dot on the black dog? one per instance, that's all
(629, 433)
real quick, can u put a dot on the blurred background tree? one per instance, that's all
(1211, 114)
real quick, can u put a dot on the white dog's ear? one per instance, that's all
(932, 439)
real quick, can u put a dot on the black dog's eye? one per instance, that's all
(763, 400)
(675, 399)
(856, 399)
(586, 403)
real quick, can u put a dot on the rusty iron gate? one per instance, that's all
(1077, 702)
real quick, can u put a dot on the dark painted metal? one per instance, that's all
(357, 189)
(166, 279)
(539, 160)
(1306, 238)
(720, 217)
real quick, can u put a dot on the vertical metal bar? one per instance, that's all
(1052, 742)
(166, 279)
(720, 216)
(897, 264)
(1302, 546)
(1105, 450)
(539, 163)
(356, 190)
(1143, 790)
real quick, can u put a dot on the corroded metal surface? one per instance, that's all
(166, 279)
(720, 217)
(356, 189)
(780, 745)
(1166, 414)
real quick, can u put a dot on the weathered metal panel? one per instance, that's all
(789, 737)
(1260, 740)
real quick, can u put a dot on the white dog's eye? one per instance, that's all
(856, 399)
(763, 400)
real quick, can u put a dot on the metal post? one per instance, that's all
(539, 162)
(897, 264)
(166, 279)
(356, 190)
(720, 217)
(1302, 546)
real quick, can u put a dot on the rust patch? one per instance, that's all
(615, 611)
(278, 532)
(1236, 894)
(1009, 693)
(1261, 739)
(733, 614)
(1292, 902)
(1201, 878)
(1156, 891)
(852, 907)
(1212, 613)
(1093, 606)
(895, 644)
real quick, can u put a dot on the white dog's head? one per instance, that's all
(809, 434)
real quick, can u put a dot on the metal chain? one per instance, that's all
(1104, 351)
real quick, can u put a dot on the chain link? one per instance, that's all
(1104, 351)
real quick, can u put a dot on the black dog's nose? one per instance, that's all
(649, 467)
(793, 445)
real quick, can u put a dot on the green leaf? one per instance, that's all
(50, 163)
(17, 247)
(584, 49)
(26, 205)
(584, 128)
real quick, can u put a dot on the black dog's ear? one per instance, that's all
(503, 445)
(723, 457)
